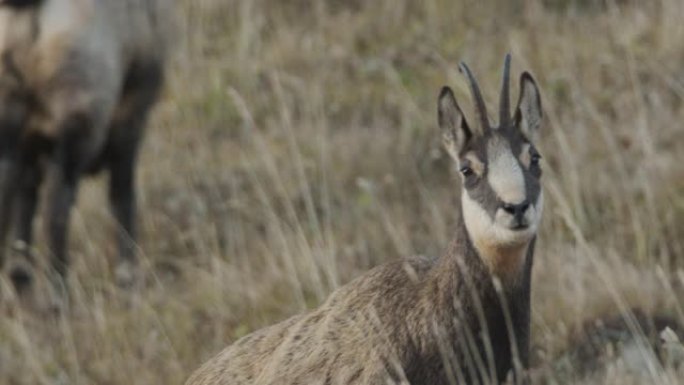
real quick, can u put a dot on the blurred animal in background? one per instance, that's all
(463, 318)
(77, 81)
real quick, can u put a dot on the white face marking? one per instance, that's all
(504, 173)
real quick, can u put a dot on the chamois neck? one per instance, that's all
(463, 288)
(464, 264)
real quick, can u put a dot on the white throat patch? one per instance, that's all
(502, 250)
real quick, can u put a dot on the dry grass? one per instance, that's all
(296, 147)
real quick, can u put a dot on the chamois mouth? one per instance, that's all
(519, 226)
(519, 223)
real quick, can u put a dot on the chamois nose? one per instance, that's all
(517, 210)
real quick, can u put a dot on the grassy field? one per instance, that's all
(296, 146)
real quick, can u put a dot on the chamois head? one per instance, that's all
(501, 199)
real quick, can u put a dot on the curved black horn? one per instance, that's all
(480, 108)
(504, 103)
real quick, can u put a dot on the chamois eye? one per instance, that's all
(534, 161)
(466, 171)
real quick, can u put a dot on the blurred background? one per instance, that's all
(296, 146)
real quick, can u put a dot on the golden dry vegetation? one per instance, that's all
(296, 147)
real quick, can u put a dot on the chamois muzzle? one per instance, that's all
(518, 212)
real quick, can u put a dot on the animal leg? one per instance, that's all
(61, 196)
(123, 201)
(21, 263)
(141, 89)
(63, 173)
(8, 175)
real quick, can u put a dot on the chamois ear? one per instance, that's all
(528, 114)
(452, 124)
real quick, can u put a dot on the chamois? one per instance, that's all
(77, 81)
(461, 318)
